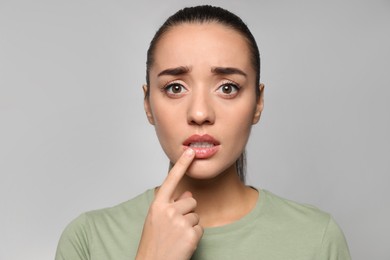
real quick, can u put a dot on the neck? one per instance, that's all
(221, 200)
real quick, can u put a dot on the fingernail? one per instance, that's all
(190, 152)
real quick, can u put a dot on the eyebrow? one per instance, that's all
(216, 70)
(174, 71)
(227, 71)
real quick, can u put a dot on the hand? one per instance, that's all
(171, 229)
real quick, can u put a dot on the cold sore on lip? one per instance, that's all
(205, 146)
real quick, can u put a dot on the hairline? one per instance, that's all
(170, 26)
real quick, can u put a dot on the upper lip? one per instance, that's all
(200, 139)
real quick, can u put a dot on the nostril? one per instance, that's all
(200, 122)
(200, 111)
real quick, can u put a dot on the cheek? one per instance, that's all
(167, 124)
(235, 127)
(162, 124)
(239, 120)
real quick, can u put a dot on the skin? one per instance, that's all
(171, 223)
(192, 92)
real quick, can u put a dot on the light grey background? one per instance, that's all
(73, 135)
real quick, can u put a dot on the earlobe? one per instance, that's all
(259, 105)
(147, 108)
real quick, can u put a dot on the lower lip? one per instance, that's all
(204, 152)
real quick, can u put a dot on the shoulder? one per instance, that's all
(123, 219)
(287, 210)
(134, 208)
(307, 223)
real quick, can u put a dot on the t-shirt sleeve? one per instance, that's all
(334, 245)
(73, 244)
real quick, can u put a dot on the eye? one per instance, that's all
(228, 90)
(174, 89)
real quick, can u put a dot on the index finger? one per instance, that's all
(174, 176)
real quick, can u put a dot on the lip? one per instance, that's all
(202, 152)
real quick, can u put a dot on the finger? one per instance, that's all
(198, 231)
(185, 195)
(192, 218)
(177, 172)
(185, 206)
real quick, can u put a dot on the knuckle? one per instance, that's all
(192, 239)
(194, 202)
(171, 212)
(196, 217)
(182, 223)
(199, 230)
(191, 202)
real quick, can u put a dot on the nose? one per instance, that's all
(200, 110)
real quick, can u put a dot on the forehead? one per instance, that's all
(194, 44)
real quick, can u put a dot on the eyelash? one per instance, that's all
(231, 84)
(167, 89)
(169, 85)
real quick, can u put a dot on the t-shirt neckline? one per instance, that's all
(236, 225)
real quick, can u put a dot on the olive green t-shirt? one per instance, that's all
(276, 229)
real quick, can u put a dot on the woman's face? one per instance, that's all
(202, 95)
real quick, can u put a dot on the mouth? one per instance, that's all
(201, 145)
(205, 146)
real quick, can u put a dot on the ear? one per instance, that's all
(259, 105)
(147, 108)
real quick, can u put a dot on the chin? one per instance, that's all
(204, 171)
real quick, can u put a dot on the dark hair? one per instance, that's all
(207, 14)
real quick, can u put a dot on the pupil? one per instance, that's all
(227, 89)
(176, 89)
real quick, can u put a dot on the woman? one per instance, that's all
(203, 94)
